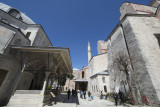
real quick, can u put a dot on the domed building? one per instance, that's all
(28, 60)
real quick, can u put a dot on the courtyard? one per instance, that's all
(76, 101)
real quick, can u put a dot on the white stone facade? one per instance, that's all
(27, 56)
(137, 36)
(97, 66)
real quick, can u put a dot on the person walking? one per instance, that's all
(116, 98)
(89, 95)
(121, 96)
(72, 92)
(75, 92)
(84, 94)
(69, 92)
(101, 95)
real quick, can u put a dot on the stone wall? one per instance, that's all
(135, 36)
(132, 8)
(101, 84)
(41, 39)
(24, 81)
(101, 47)
(97, 85)
(115, 46)
(98, 63)
(145, 52)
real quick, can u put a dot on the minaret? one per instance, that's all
(89, 52)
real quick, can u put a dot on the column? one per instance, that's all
(53, 76)
(45, 83)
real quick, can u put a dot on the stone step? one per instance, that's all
(63, 105)
(25, 99)
(24, 105)
(28, 92)
(21, 102)
(26, 96)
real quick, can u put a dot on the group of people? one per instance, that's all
(74, 93)
(83, 95)
(119, 95)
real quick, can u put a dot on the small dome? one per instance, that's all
(22, 16)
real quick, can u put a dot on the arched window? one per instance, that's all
(105, 89)
(3, 74)
(103, 79)
(15, 13)
(82, 74)
(97, 88)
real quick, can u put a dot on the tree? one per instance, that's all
(122, 63)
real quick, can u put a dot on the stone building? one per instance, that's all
(80, 80)
(98, 70)
(70, 84)
(81, 83)
(137, 38)
(27, 59)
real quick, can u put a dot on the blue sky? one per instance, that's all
(72, 23)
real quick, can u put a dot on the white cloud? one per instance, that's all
(75, 69)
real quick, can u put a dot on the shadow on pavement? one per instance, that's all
(63, 98)
(72, 99)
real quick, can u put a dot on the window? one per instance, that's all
(82, 74)
(92, 88)
(105, 89)
(3, 74)
(97, 88)
(103, 79)
(28, 34)
(15, 13)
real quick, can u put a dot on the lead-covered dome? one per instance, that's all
(16, 13)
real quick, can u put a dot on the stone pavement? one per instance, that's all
(78, 102)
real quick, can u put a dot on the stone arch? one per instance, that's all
(34, 61)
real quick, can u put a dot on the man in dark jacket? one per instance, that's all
(69, 92)
(121, 96)
(89, 95)
(84, 93)
(116, 98)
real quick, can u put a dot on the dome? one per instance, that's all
(21, 16)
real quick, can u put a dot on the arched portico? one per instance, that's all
(38, 68)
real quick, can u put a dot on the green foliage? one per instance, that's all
(71, 76)
(48, 87)
(63, 77)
